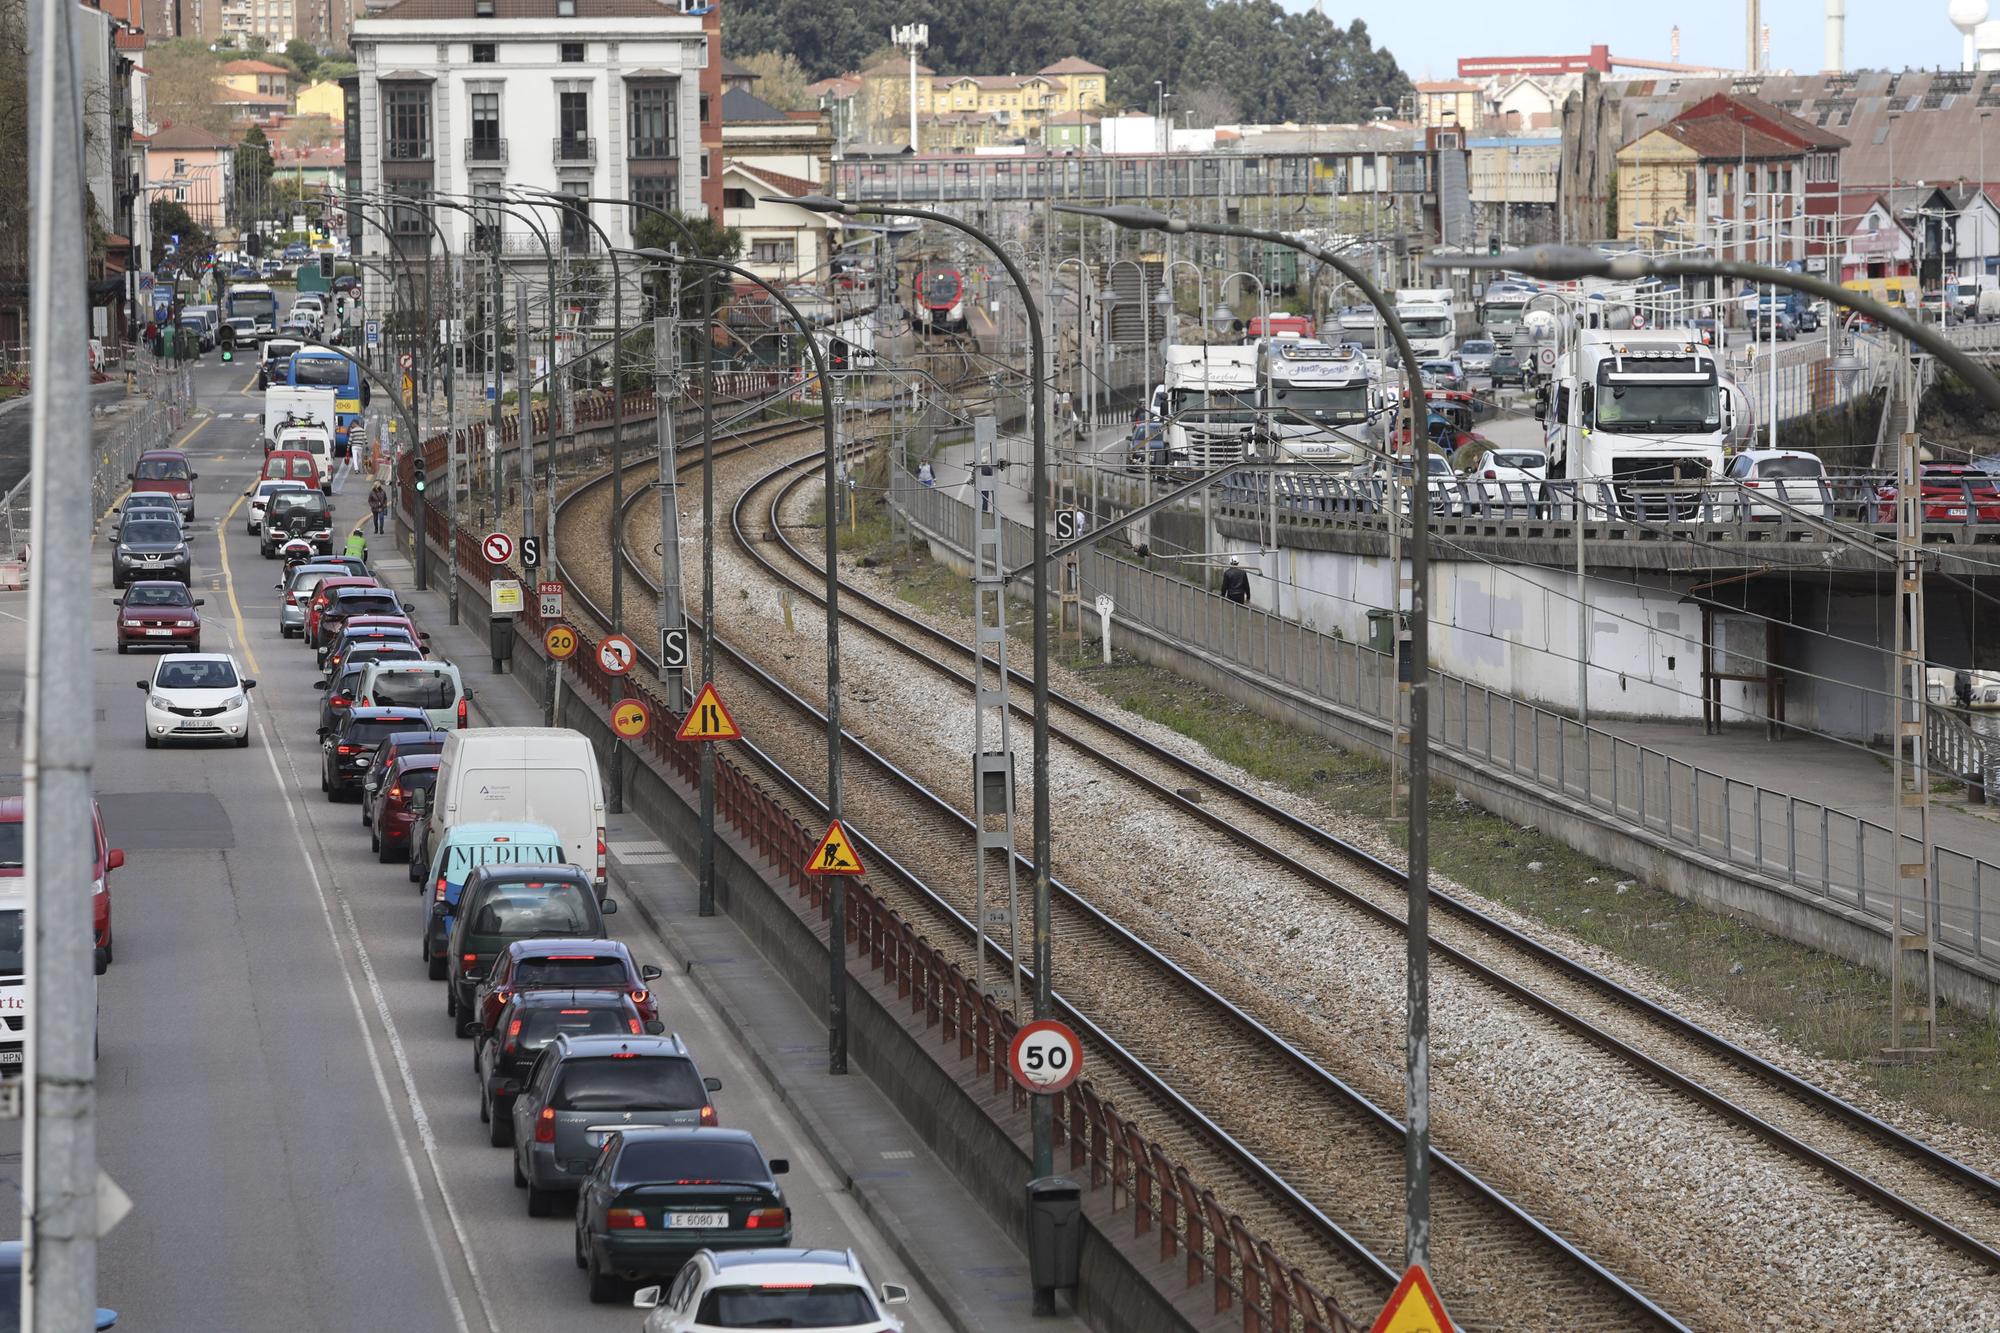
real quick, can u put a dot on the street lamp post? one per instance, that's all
(1416, 1138)
(1041, 1111)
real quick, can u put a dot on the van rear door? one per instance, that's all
(561, 798)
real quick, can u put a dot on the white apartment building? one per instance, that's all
(586, 97)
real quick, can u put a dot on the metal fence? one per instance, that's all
(1842, 859)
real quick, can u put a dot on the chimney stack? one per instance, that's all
(1836, 36)
(1751, 23)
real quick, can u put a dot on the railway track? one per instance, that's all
(1940, 1195)
(1309, 1146)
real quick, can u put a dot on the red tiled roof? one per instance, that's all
(1721, 137)
(1074, 65)
(778, 180)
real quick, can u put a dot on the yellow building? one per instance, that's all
(968, 110)
(322, 99)
(1657, 176)
(257, 77)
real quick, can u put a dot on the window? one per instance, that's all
(406, 114)
(407, 219)
(565, 9)
(773, 251)
(573, 124)
(650, 121)
(571, 53)
(482, 53)
(482, 9)
(576, 233)
(180, 166)
(657, 191)
(704, 166)
(487, 227)
(704, 109)
(737, 199)
(486, 141)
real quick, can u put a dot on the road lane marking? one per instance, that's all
(199, 427)
(229, 584)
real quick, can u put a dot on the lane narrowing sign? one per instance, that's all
(1045, 1056)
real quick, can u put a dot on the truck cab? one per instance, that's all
(1208, 401)
(1640, 419)
(1429, 321)
(1322, 403)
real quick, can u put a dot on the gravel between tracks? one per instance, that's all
(1704, 1221)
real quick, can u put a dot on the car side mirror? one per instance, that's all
(114, 859)
(609, 907)
(249, 684)
(646, 1298)
(781, 1166)
(647, 972)
(319, 684)
(194, 476)
(201, 601)
(712, 1084)
(248, 494)
(894, 1293)
(144, 684)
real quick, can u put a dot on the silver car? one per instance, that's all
(298, 590)
(583, 1088)
(1476, 355)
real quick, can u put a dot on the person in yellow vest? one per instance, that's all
(357, 545)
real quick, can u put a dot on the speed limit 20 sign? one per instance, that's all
(1045, 1056)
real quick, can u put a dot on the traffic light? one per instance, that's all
(1492, 245)
(417, 472)
(256, 244)
(326, 267)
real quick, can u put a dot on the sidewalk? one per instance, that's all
(966, 1264)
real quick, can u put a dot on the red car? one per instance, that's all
(1951, 493)
(564, 964)
(166, 472)
(158, 613)
(323, 595)
(394, 820)
(104, 859)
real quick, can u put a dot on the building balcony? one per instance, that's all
(493, 151)
(654, 150)
(406, 150)
(575, 149)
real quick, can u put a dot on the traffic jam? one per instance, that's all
(603, 1111)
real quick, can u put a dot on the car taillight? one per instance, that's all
(468, 958)
(639, 997)
(707, 1112)
(624, 1219)
(341, 700)
(1491, 475)
(461, 714)
(395, 793)
(545, 1125)
(636, 1026)
(600, 854)
(368, 702)
(764, 1218)
(513, 1033)
(291, 599)
(440, 890)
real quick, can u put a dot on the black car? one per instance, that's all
(581, 1088)
(334, 653)
(503, 903)
(337, 695)
(347, 750)
(528, 1022)
(654, 1197)
(150, 549)
(1506, 369)
(306, 511)
(359, 600)
(402, 745)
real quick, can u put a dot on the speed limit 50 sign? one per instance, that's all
(1045, 1056)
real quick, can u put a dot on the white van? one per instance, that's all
(533, 775)
(430, 685)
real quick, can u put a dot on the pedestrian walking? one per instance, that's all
(1236, 582)
(378, 505)
(926, 477)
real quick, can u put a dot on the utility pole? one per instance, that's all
(914, 36)
(1912, 761)
(705, 889)
(524, 416)
(452, 273)
(59, 1192)
(494, 345)
(666, 380)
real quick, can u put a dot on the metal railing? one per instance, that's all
(574, 148)
(1844, 860)
(486, 150)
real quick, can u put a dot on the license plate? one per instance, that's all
(13, 1057)
(159, 633)
(693, 1221)
(196, 726)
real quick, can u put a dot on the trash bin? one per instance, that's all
(500, 636)
(1055, 1231)
(1382, 630)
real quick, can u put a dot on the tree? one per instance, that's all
(170, 219)
(181, 78)
(1205, 106)
(712, 240)
(781, 80)
(305, 59)
(252, 175)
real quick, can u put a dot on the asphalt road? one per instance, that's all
(280, 1091)
(14, 442)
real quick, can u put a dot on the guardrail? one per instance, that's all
(1245, 1273)
(1843, 860)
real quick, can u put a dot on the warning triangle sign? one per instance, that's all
(708, 719)
(835, 854)
(1413, 1307)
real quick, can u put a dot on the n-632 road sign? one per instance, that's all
(1045, 1056)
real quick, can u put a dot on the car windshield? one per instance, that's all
(418, 779)
(576, 973)
(1475, 346)
(13, 932)
(1214, 407)
(543, 1024)
(199, 675)
(1340, 404)
(1979, 483)
(835, 1305)
(151, 530)
(159, 594)
(1790, 468)
(160, 469)
(304, 580)
(1426, 326)
(278, 351)
(372, 731)
(648, 1083)
(523, 909)
(1505, 314)
(416, 689)
(1526, 458)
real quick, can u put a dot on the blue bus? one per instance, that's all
(315, 369)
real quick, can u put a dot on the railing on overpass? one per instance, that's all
(1102, 178)
(1845, 861)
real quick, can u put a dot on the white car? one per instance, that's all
(825, 1290)
(1509, 479)
(1776, 485)
(197, 697)
(260, 497)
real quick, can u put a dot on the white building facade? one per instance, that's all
(582, 97)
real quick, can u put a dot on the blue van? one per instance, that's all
(465, 847)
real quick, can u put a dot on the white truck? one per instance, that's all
(287, 406)
(1361, 326)
(1208, 403)
(1502, 309)
(1639, 418)
(1321, 403)
(1429, 321)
